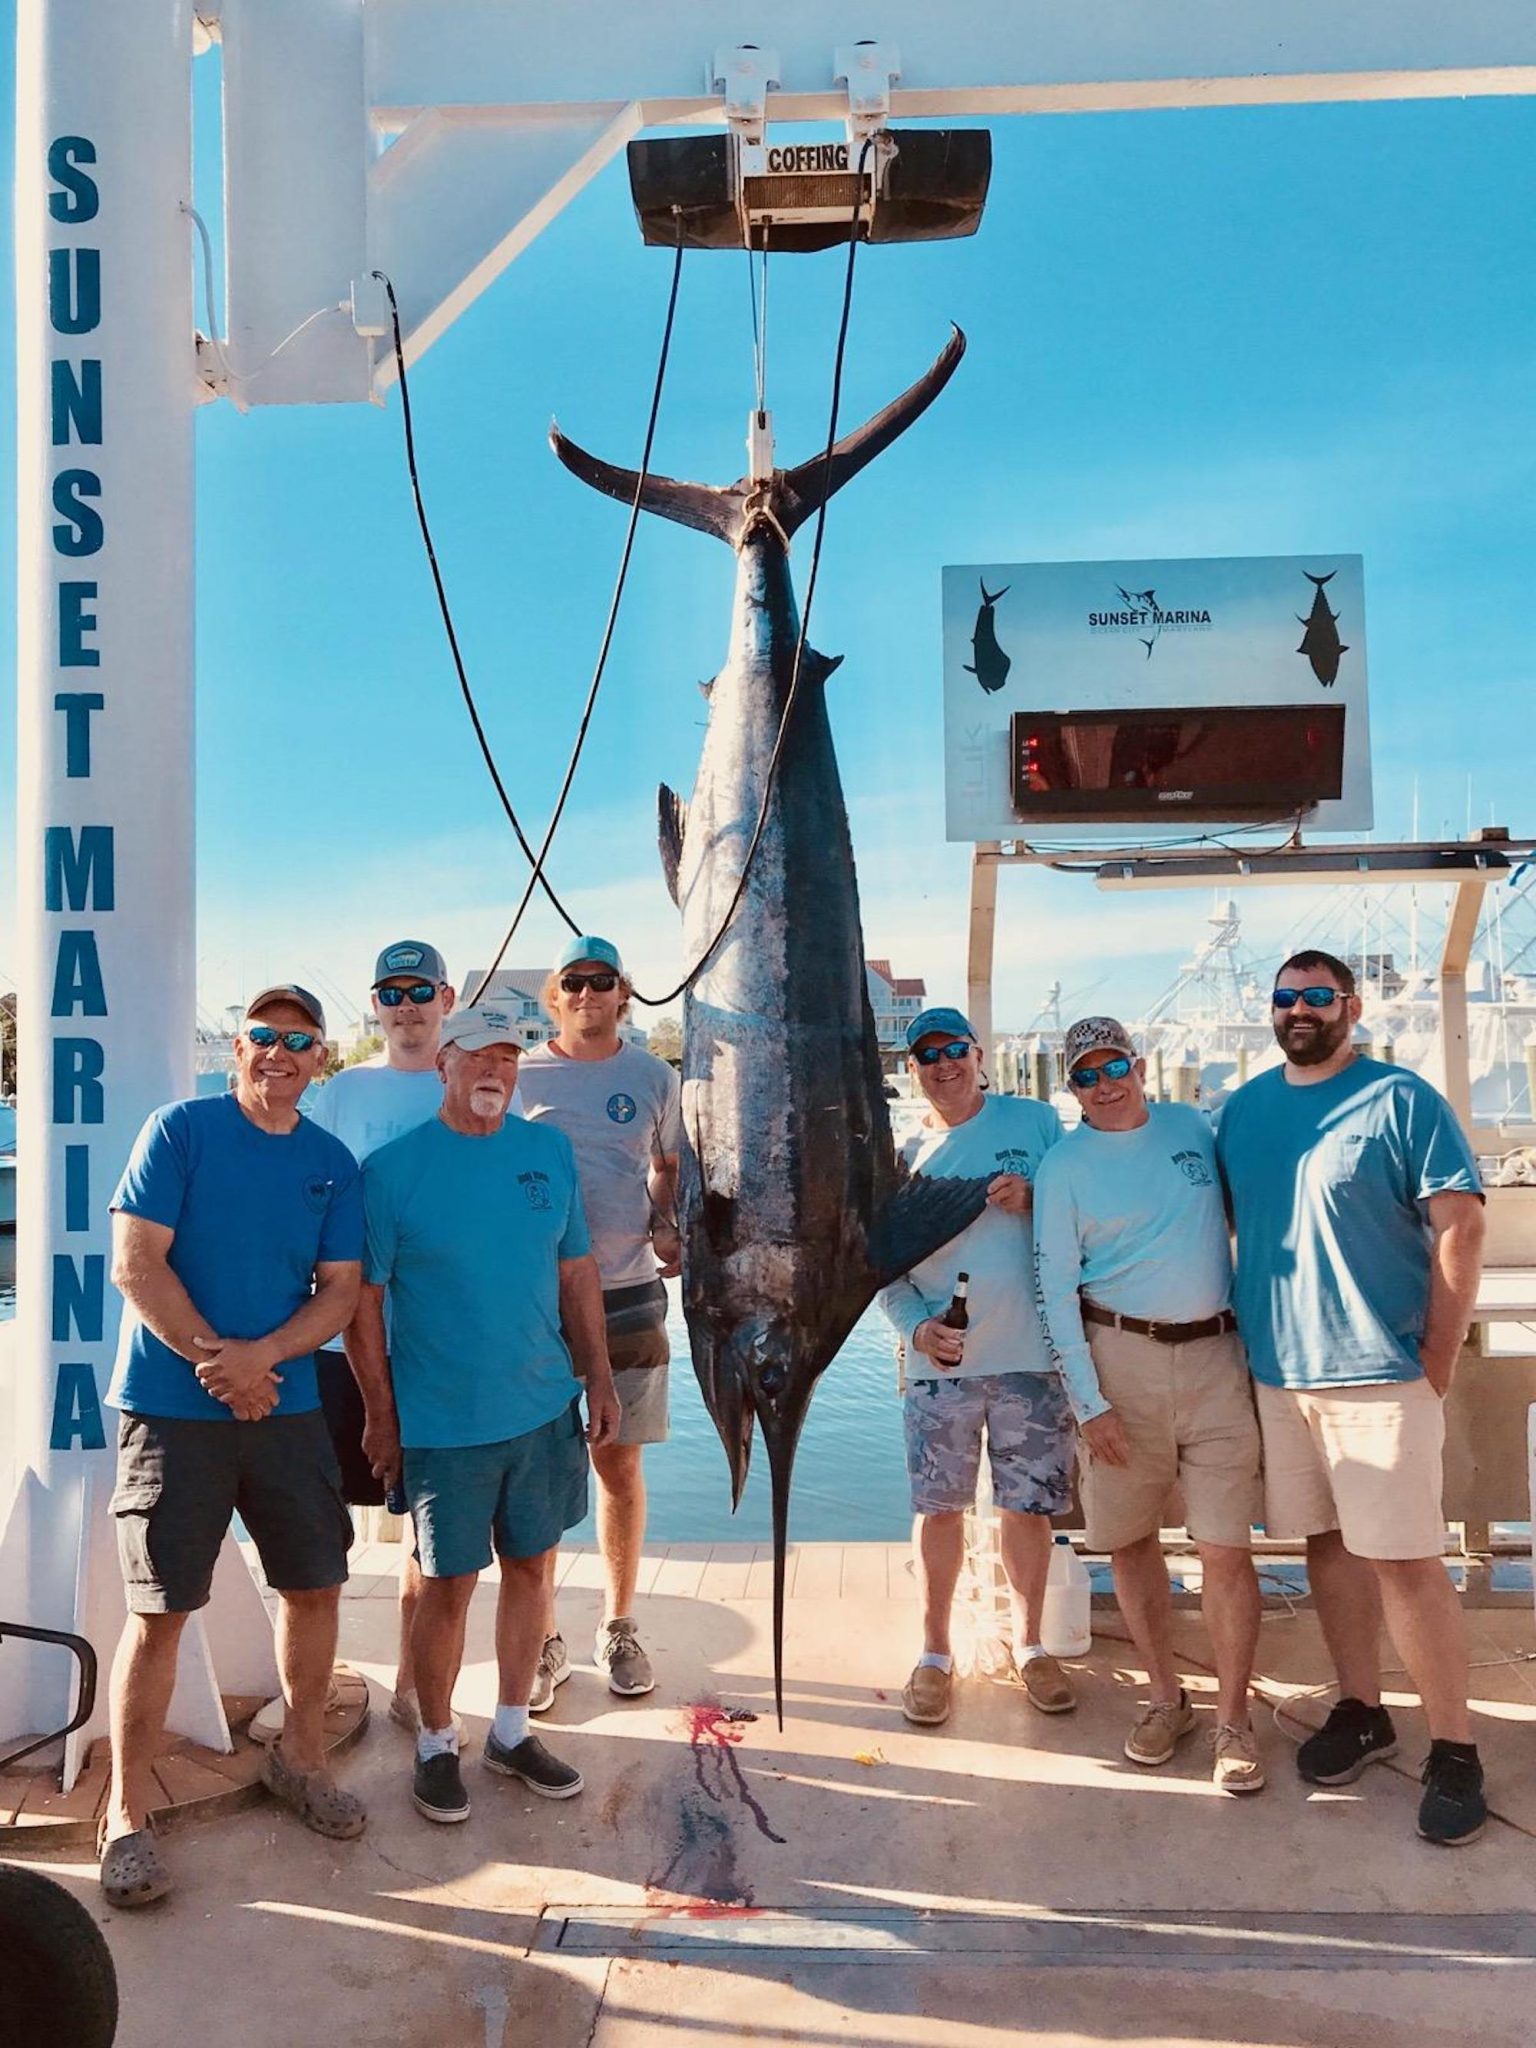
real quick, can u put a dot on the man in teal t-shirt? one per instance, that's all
(1359, 1218)
(476, 1229)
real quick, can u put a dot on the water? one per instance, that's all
(7, 1278)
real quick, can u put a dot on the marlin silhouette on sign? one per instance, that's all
(1320, 643)
(992, 664)
(794, 1206)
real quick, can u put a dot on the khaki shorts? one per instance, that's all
(1363, 1460)
(1188, 1411)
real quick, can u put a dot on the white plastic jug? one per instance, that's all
(1066, 1629)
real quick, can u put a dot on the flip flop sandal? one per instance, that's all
(315, 1797)
(132, 1871)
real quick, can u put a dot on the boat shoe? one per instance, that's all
(1047, 1686)
(133, 1873)
(925, 1696)
(314, 1796)
(1160, 1730)
(1235, 1761)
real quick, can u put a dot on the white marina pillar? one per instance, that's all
(106, 393)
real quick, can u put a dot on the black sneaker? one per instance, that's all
(532, 1762)
(1453, 1809)
(437, 1790)
(1353, 1736)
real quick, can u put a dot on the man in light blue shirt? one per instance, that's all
(1135, 1280)
(476, 1229)
(1359, 1216)
(996, 1381)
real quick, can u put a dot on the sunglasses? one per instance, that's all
(930, 1055)
(600, 984)
(418, 992)
(1318, 998)
(293, 1041)
(1107, 1070)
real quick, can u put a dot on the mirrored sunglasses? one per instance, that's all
(293, 1041)
(418, 992)
(1317, 998)
(1107, 1070)
(930, 1055)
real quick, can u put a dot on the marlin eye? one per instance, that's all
(772, 1378)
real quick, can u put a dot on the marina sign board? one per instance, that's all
(1155, 700)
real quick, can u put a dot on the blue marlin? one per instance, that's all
(1320, 643)
(795, 1207)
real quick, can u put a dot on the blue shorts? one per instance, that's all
(1030, 1442)
(524, 1493)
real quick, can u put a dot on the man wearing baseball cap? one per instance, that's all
(366, 1106)
(1135, 1274)
(237, 1232)
(997, 1381)
(476, 1231)
(620, 1108)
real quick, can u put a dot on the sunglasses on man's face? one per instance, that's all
(930, 1055)
(1107, 1070)
(600, 984)
(418, 992)
(1318, 998)
(293, 1041)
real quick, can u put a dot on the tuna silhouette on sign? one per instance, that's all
(992, 664)
(1320, 643)
(795, 1207)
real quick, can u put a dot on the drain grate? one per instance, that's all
(1071, 1940)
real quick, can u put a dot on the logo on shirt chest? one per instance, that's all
(317, 1192)
(1194, 1169)
(535, 1186)
(1011, 1161)
(622, 1108)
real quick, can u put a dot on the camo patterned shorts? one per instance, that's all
(1029, 1433)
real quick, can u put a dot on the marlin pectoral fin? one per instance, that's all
(672, 823)
(919, 1218)
(968, 669)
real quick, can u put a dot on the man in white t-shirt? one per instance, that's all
(367, 1106)
(1135, 1272)
(620, 1108)
(997, 1382)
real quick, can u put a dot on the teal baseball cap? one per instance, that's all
(587, 947)
(953, 1023)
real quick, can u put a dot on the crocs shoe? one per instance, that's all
(132, 1870)
(617, 1652)
(554, 1669)
(925, 1696)
(1160, 1730)
(315, 1797)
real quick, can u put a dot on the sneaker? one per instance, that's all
(405, 1712)
(266, 1726)
(925, 1696)
(554, 1669)
(532, 1762)
(1047, 1686)
(437, 1790)
(1353, 1736)
(1453, 1809)
(1235, 1765)
(1160, 1730)
(617, 1651)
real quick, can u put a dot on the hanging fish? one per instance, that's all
(992, 665)
(1320, 643)
(794, 1205)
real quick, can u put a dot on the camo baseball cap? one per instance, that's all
(1095, 1034)
(409, 956)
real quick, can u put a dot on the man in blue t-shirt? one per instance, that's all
(476, 1229)
(1359, 1217)
(237, 1236)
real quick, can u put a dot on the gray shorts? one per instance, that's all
(1030, 1442)
(180, 1481)
(638, 1351)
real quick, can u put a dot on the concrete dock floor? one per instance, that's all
(1007, 1878)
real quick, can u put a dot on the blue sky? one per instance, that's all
(1250, 332)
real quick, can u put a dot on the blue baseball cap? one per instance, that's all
(409, 956)
(589, 948)
(953, 1023)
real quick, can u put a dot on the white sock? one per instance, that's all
(510, 1726)
(1025, 1653)
(437, 1742)
(935, 1660)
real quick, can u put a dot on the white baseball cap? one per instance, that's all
(481, 1025)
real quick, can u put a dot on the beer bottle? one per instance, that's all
(958, 1316)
